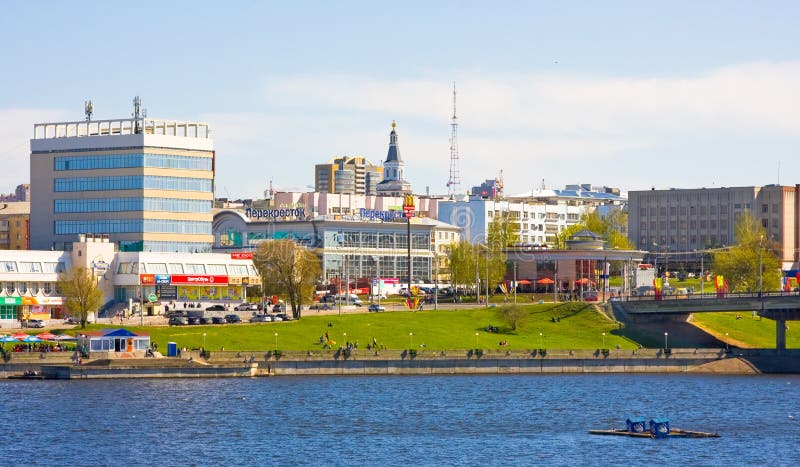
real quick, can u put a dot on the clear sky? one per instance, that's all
(620, 93)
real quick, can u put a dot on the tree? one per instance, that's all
(288, 269)
(81, 293)
(513, 315)
(461, 257)
(612, 228)
(739, 265)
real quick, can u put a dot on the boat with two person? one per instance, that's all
(659, 427)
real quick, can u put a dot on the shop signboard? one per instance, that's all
(242, 255)
(152, 298)
(10, 300)
(235, 280)
(147, 279)
(162, 279)
(192, 279)
(167, 292)
(255, 280)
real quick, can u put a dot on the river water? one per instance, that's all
(429, 420)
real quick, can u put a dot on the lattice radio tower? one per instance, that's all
(455, 178)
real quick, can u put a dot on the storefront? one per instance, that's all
(114, 340)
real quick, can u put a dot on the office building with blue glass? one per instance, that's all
(146, 183)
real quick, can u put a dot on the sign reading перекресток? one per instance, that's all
(273, 213)
(382, 215)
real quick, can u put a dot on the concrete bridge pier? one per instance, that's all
(780, 335)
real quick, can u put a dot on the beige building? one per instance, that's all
(146, 183)
(350, 175)
(686, 220)
(14, 226)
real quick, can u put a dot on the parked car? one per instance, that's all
(320, 306)
(178, 320)
(71, 320)
(218, 320)
(246, 307)
(284, 317)
(216, 308)
(276, 319)
(261, 319)
(279, 308)
(376, 307)
(34, 323)
(193, 320)
(206, 320)
(233, 318)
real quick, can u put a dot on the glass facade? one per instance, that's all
(8, 312)
(109, 226)
(364, 266)
(131, 182)
(132, 204)
(358, 239)
(164, 247)
(122, 161)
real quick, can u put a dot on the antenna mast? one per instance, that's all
(455, 178)
(88, 109)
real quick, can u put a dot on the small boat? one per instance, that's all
(659, 428)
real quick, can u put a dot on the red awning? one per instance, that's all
(545, 281)
(523, 282)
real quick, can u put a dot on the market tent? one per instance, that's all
(19, 336)
(66, 337)
(545, 281)
(31, 339)
(583, 281)
(47, 336)
(523, 282)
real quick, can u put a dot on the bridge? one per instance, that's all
(778, 306)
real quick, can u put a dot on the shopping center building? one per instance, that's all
(128, 279)
(359, 246)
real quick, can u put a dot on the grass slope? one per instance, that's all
(580, 326)
(746, 332)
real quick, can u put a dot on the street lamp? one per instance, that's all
(378, 277)
(761, 271)
(476, 340)
(726, 342)
(666, 340)
(541, 341)
(604, 340)
(344, 338)
(410, 340)
(276, 341)
(204, 341)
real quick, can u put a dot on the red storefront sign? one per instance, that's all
(147, 279)
(190, 279)
(242, 255)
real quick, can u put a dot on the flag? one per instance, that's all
(720, 283)
(658, 284)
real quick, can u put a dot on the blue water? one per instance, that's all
(449, 420)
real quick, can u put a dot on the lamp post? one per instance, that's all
(702, 273)
(204, 341)
(726, 342)
(604, 340)
(344, 337)
(378, 277)
(666, 340)
(276, 341)
(410, 340)
(515, 282)
(476, 340)
(541, 340)
(761, 271)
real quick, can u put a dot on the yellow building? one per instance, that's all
(15, 226)
(353, 175)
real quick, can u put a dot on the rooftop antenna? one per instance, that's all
(137, 107)
(88, 109)
(455, 178)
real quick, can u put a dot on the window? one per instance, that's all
(118, 161)
(237, 269)
(131, 204)
(8, 266)
(53, 267)
(175, 268)
(157, 268)
(25, 266)
(68, 227)
(131, 182)
(195, 269)
(216, 269)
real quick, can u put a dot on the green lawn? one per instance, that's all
(747, 331)
(580, 326)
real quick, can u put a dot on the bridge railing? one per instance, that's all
(701, 296)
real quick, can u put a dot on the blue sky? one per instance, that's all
(626, 94)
